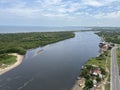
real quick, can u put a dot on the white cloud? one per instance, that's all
(94, 3)
(55, 7)
(112, 15)
(98, 3)
(60, 9)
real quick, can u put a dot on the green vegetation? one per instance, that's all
(107, 86)
(20, 42)
(110, 36)
(88, 84)
(118, 59)
(113, 37)
(6, 60)
(88, 73)
(102, 62)
(98, 61)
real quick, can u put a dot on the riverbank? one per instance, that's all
(19, 59)
(21, 42)
(60, 68)
(79, 85)
(24, 41)
(95, 73)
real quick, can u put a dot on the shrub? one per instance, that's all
(89, 83)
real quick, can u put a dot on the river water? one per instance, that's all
(54, 66)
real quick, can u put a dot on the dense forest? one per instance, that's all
(20, 42)
(110, 36)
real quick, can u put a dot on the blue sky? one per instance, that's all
(60, 12)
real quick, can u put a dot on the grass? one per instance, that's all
(6, 60)
(95, 61)
(104, 62)
(107, 86)
(118, 59)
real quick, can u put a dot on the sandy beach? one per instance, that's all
(78, 83)
(10, 67)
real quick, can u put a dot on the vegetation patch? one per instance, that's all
(6, 60)
(98, 69)
(110, 36)
(118, 59)
(95, 71)
(93, 76)
(20, 42)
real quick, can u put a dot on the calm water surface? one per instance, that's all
(18, 29)
(55, 68)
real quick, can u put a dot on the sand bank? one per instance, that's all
(10, 67)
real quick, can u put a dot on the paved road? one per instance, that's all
(115, 78)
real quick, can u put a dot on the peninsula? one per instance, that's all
(14, 45)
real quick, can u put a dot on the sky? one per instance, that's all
(60, 12)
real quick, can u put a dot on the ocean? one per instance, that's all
(20, 29)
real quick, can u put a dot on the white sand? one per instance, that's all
(19, 61)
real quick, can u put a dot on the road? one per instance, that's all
(115, 78)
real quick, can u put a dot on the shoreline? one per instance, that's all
(19, 59)
(79, 84)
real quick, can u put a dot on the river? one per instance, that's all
(55, 67)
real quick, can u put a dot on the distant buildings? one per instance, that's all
(104, 46)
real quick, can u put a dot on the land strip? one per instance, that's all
(19, 59)
(19, 43)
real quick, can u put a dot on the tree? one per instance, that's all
(98, 79)
(87, 76)
(89, 67)
(103, 71)
(89, 83)
(84, 72)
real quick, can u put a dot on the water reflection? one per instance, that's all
(55, 68)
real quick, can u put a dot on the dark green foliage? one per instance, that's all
(84, 72)
(19, 50)
(87, 73)
(106, 53)
(89, 67)
(110, 36)
(98, 79)
(101, 57)
(103, 71)
(7, 59)
(87, 76)
(19, 42)
(89, 83)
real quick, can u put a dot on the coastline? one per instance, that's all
(19, 59)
